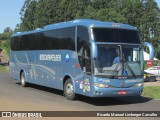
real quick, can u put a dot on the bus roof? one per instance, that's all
(83, 22)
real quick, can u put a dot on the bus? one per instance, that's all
(84, 56)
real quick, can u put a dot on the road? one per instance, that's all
(14, 97)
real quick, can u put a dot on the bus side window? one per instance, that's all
(83, 49)
(84, 57)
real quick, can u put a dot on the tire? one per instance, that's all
(69, 90)
(23, 80)
(152, 79)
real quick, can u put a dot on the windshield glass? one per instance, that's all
(116, 35)
(119, 61)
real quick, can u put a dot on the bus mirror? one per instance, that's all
(151, 50)
(94, 50)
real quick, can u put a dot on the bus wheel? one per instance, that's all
(68, 90)
(23, 80)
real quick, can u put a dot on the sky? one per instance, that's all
(10, 13)
(158, 2)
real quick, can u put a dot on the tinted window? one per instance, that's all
(36, 43)
(116, 35)
(67, 36)
(25, 42)
(54, 39)
(83, 49)
(18, 44)
(82, 37)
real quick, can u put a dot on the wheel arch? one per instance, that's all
(67, 76)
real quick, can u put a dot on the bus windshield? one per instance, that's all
(119, 61)
(116, 35)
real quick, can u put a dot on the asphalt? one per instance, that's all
(14, 97)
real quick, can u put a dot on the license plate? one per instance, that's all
(122, 92)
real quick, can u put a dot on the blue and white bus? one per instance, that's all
(86, 57)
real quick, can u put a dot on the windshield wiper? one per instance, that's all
(122, 61)
(124, 64)
(130, 69)
(114, 71)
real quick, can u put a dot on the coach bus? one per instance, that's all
(86, 57)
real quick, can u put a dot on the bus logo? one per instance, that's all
(50, 57)
(67, 58)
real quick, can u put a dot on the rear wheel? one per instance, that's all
(23, 80)
(69, 90)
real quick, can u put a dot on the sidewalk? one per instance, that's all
(157, 83)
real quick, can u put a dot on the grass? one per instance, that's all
(3, 68)
(151, 91)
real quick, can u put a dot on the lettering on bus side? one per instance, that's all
(50, 57)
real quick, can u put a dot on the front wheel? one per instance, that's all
(69, 90)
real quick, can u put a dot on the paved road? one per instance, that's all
(13, 97)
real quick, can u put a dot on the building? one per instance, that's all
(146, 56)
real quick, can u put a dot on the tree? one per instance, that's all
(28, 15)
(7, 29)
(81, 6)
(144, 14)
(49, 13)
(6, 34)
(151, 26)
(5, 39)
(17, 29)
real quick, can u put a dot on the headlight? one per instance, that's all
(139, 85)
(100, 85)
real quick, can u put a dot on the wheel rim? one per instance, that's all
(22, 80)
(69, 89)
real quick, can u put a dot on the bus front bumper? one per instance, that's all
(117, 92)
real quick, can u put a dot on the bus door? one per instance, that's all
(84, 73)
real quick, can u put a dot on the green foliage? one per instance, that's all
(28, 15)
(4, 68)
(8, 30)
(5, 40)
(5, 36)
(144, 14)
